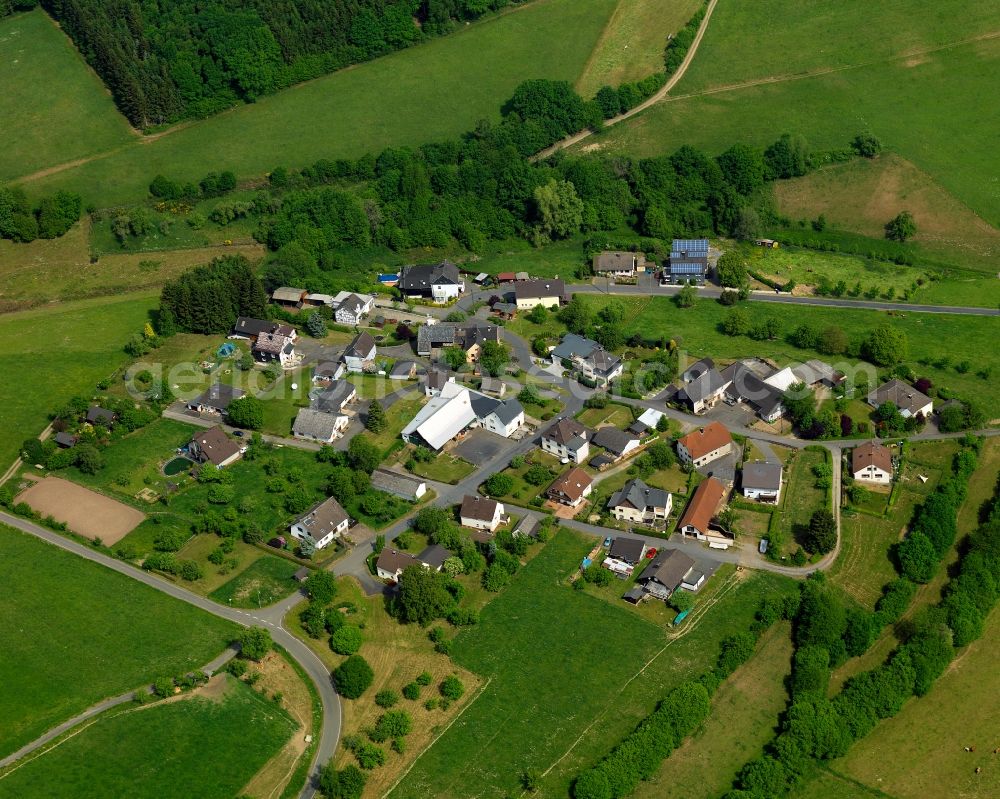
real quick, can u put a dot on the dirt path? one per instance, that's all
(650, 101)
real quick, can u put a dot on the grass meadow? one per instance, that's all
(47, 355)
(266, 581)
(208, 744)
(75, 633)
(54, 108)
(540, 636)
(435, 90)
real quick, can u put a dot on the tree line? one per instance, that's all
(191, 58)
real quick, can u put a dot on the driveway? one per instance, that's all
(723, 469)
(480, 446)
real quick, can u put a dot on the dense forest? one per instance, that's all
(8, 7)
(164, 61)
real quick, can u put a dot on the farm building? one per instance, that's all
(288, 297)
(399, 485)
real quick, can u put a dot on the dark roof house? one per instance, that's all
(615, 441)
(636, 494)
(217, 397)
(629, 550)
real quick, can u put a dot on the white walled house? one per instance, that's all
(637, 502)
(322, 524)
(567, 440)
(353, 309)
(704, 445)
(360, 353)
(871, 462)
(529, 293)
(762, 481)
(505, 419)
(481, 513)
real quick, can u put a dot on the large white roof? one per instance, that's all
(443, 417)
(650, 417)
(783, 380)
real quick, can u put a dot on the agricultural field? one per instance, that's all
(618, 664)
(67, 350)
(632, 43)
(888, 98)
(744, 715)
(54, 108)
(215, 738)
(63, 620)
(435, 90)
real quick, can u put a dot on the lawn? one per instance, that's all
(561, 694)
(397, 417)
(435, 90)
(266, 581)
(75, 633)
(560, 259)
(216, 742)
(801, 497)
(48, 355)
(523, 491)
(54, 108)
(444, 468)
(744, 715)
(632, 43)
(613, 414)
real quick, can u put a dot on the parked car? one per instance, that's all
(238, 433)
(651, 553)
(607, 542)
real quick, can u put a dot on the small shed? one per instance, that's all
(301, 575)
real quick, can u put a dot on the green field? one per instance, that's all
(432, 91)
(75, 633)
(887, 97)
(266, 581)
(801, 496)
(539, 638)
(66, 350)
(205, 746)
(54, 109)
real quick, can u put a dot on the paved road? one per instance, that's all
(270, 617)
(209, 668)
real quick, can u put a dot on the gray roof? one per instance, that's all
(402, 369)
(640, 496)
(315, 424)
(613, 440)
(477, 507)
(421, 277)
(538, 289)
(902, 395)
(705, 385)
(747, 386)
(436, 378)
(400, 485)
(603, 361)
(288, 294)
(507, 411)
(460, 334)
(215, 446)
(762, 476)
(618, 261)
(352, 303)
(218, 396)
(574, 345)
(697, 369)
(434, 556)
(95, 412)
(668, 568)
(567, 432)
(247, 326)
(332, 398)
(393, 561)
(324, 518)
(629, 550)
(65, 439)
(361, 347)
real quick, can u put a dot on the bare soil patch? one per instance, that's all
(83, 511)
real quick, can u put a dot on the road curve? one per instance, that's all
(267, 617)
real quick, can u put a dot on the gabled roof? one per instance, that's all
(436, 379)
(747, 385)
(573, 345)
(705, 385)
(668, 568)
(567, 432)
(602, 361)
(636, 494)
(434, 556)
(443, 417)
(247, 326)
(629, 550)
(333, 398)
(618, 261)
(692, 248)
(697, 369)
(361, 347)
(323, 518)
(95, 412)
(539, 289)
(902, 395)
(353, 304)
(871, 453)
(651, 417)
(391, 561)
(288, 294)
(396, 483)
(706, 439)
(784, 379)
(508, 411)
(703, 505)
(480, 508)
(613, 440)
(315, 424)
(272, 343)
(813, 371)
(402, 369)
(218, 396)
(215, 445)
(572, 484)
(762, 476)
(421, 277)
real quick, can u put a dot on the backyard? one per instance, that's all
(801, 494)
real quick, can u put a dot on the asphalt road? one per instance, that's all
(270, 617)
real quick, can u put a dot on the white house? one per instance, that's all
(481, 513)
(456, 408)
(567, 440)
(906, 398)
(360, 354)
(619, 264)
(589, 358)
(762, 481)
(871, 462)
(353, 309)
(529, 293)
(505, 419)
(571, 488)
(319, 426)
(321, 524)
(390, 564)
(637, 502)
(704, 445)
(439, 283)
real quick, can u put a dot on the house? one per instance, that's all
(399, 485)
(871, 462)
(288, 297)
(481, 513)
(321, 524)
(313, 425)
(619, 264)
(65, 440)
(327, 372)
(215, 447)
(746, 386)
(335, 397)
(529, 293)
(434, 556)
(275, 346)
(617, 442)
(96, 415)
(669, 570)
(589, 358)
(646, 422)
(493, 387)
(504, 310)
(360, 353)
(704, 445)
(504, 418)
(353, 309)
(216, 399)
(435, 380)
(439, 283)
(701, 510)
(391, 564)
(762, 481)
(567, 440)
(403, 370)
(628, 550)
(468, 336)
(688, 262)
(704, 391)
(249, 328)
(697, 369)
(571, 488)
(637, 502)
(905, 397)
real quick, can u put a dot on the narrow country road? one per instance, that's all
(270, 617)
